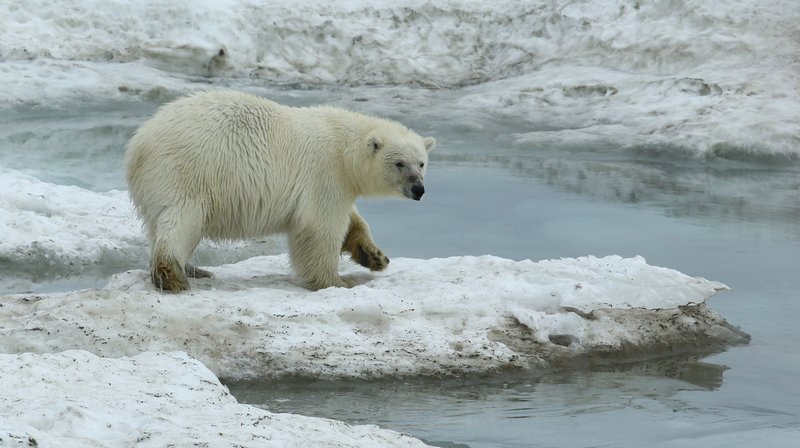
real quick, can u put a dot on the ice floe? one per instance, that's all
(422, 317)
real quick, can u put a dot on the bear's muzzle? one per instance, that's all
(417, 190)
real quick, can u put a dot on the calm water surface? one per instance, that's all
(733, 221)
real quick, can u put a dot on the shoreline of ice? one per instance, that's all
(76, 399)
(422, 317)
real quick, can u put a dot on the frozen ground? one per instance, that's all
(75, 399)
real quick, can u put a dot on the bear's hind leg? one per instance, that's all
(178, 233)
(358, 242)
(193, 271)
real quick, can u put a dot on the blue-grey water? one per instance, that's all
(735, 221)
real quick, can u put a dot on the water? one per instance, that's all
(642, 405)
(731, 221)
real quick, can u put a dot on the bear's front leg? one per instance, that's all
(358, 242)
(167, 274)
(315, 258)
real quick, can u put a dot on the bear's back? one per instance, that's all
(233, 155)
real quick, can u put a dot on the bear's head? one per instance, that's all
(401, 158)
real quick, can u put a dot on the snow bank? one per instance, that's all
(75, 399)
(43, 223)
(421, 317)
(449, 44)
(718, 80)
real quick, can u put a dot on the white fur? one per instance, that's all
(228, 165)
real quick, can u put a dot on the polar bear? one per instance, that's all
(227, 165)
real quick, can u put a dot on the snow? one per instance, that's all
(422, 317)
(76, 399)
(714, 81)
(46, 223)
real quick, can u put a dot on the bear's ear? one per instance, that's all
(375, 144)
(430, 142)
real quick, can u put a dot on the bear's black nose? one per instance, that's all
(417, 191)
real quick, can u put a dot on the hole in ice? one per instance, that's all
(588, 91)
(564, 340)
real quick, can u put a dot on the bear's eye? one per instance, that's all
(400, 164)
(422, 165)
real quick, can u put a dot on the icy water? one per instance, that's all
(735, 221)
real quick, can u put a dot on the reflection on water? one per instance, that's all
(731, 192)
(432, 407)
(82, 147)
